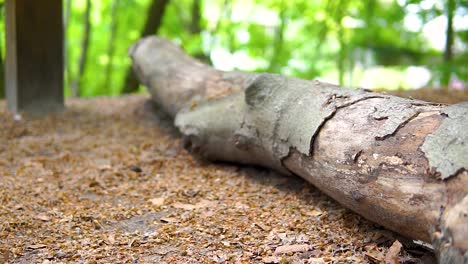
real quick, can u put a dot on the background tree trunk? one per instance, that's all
(78, 81)
(111, 45)
(66, 59)
(195, 26)
(2, 62)
(449, 39)
(275, 66)
(399, 162)
(153, 22)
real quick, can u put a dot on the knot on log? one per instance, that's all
(262, 88)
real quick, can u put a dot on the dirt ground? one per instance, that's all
(107, 182)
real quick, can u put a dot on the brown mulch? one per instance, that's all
(107, 182)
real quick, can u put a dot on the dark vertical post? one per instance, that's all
(34, 55)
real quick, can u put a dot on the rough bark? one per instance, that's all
(399, 162)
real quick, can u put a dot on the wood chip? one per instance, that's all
(184, 206)
(42, 217)
(271, 259)
(158, 201)
(205, 203)
(168, 220)
(37, 246)
(316, 261)
(262, 226)
(313, 213)
(111, 239)
(292, 248)
(202, 204)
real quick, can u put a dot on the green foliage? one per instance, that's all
(130, 21)
(303, 38)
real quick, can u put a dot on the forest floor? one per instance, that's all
(106, 181)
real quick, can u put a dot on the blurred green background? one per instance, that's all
(392, 44)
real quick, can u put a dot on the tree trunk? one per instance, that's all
(111, 45)
(153, 22)
(2, 61)
(339, 13)
(275, 66)
(399, 162)
(78, 81)
(449, 39)
(224, 12)
(195, 26)
(66, 57)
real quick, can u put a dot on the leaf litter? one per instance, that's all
(107, 181)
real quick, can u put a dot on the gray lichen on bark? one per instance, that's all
(446, 149)
(290, 111)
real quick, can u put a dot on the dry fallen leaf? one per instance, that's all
(393, 252)
(375, 257)
(292, 248)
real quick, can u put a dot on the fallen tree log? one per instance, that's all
(399, 162)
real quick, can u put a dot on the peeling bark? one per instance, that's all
(399, 162)
(452, 136)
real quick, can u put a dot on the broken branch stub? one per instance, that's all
(399, 162)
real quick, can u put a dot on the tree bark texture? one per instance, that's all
(401, 163)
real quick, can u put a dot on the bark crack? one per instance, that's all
(332, 114)
(400, 126)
